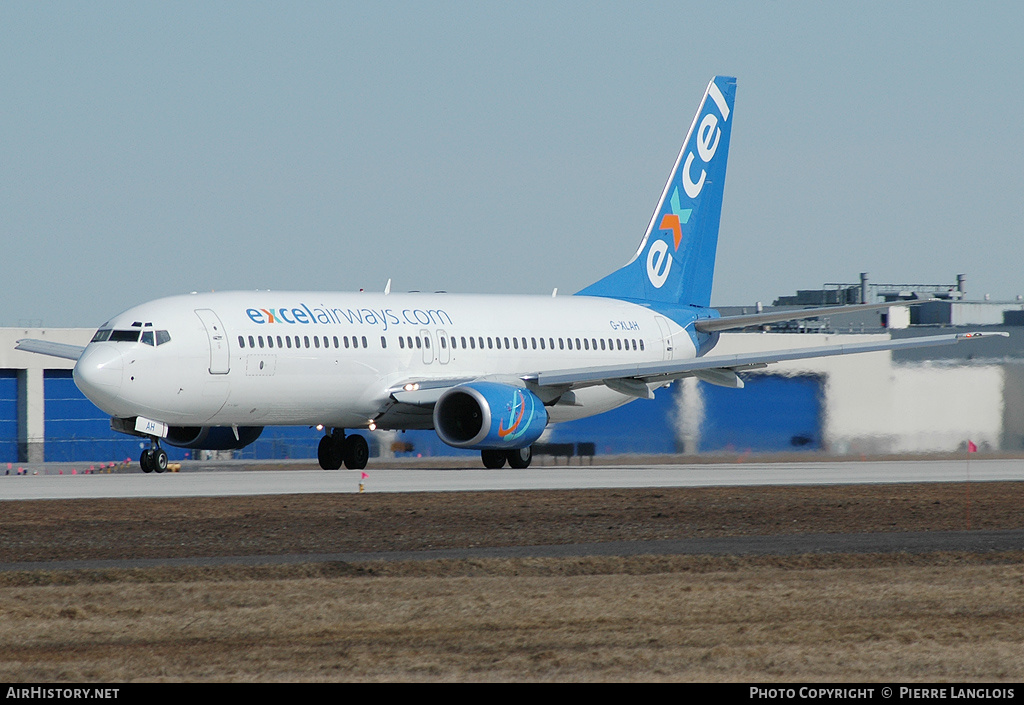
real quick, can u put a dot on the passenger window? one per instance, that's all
(364, 341)
(641, 344)
(463, 342)
(401, 342)
(279, 343)
(241, 342)
(497, 343)
(515, 343)
(252, 342)
(270, 341)
(586, 344)
(383, 342)
(288, 339)
(426, 342)
(419, 343)
(305, 339)
(561, 344)
(316, 341)
(490, 343)
(260, 340)
(336, 342)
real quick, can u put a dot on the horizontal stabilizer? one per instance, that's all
(710, 325)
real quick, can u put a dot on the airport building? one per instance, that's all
(917, 401)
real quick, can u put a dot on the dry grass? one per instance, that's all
(818, 618)
(890, 617)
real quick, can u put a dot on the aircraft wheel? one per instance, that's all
(520, 458)
(357, 452)
(146, 461)
(159, 459)
(330, 452)
(493, 459)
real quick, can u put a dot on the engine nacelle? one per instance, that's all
(212, 437)
(489, 415)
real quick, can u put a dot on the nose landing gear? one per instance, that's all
(154, 458)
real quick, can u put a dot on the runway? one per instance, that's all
(232, 480)
(236, 502)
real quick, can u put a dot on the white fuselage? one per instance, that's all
(295, 358)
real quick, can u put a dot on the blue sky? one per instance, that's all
(157, 148)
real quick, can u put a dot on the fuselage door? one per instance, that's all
(220, 357)
(666, 336)
(444, 353)
(428, 349)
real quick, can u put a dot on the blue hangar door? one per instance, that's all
(771, 413)
(8, 416)
(75, 428)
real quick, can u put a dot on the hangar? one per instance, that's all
(932, 400)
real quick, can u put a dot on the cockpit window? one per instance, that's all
(124, 336)
(147, 337)
(162, 337)
(101, 335)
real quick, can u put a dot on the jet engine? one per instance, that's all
(212, 437)
(489, 415)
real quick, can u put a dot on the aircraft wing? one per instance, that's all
(710, 325)
(721, 369)
(424, 392)
(47, 347)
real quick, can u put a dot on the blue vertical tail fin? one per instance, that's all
(675, 262)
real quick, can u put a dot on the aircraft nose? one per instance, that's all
(98, 374)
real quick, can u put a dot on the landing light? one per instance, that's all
(372, 426)
(319, 427)
(411, 387)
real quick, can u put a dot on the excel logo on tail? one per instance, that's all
(690, 176)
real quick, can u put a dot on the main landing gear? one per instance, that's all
(518, 459)
(154, 458)
(335, 449)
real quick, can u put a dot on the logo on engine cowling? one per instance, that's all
(516, 410)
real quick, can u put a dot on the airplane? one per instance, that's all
(485, 372)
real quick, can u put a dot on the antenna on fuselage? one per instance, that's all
(554, 293)
(387, 288)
